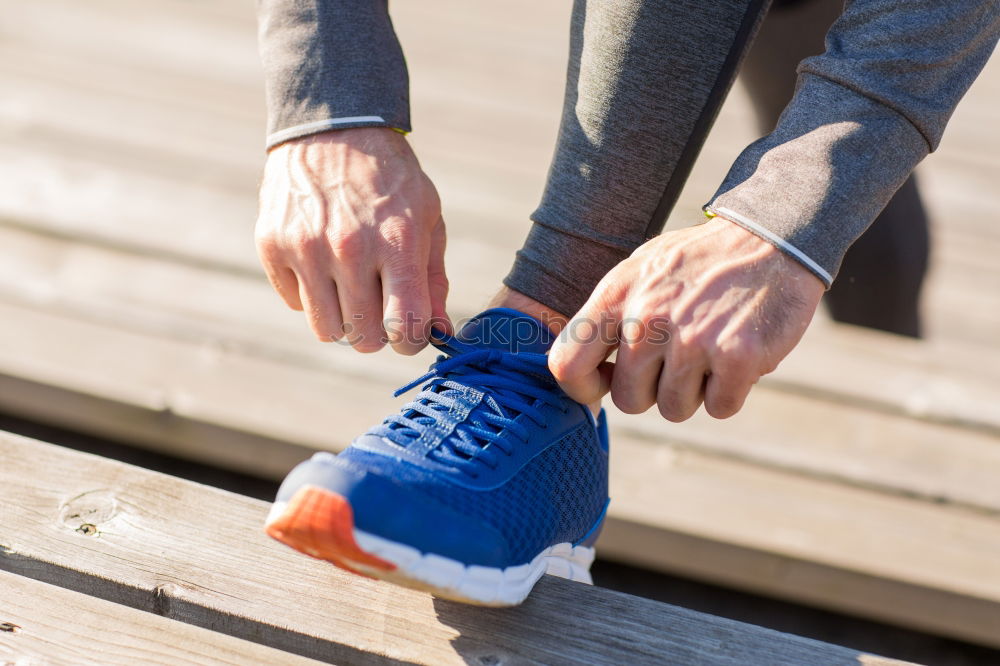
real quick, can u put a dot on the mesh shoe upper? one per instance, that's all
(490, 447)
(555, 498)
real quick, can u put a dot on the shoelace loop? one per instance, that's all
(511, 385)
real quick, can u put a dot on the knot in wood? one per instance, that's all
(87, 512)
(87, 529)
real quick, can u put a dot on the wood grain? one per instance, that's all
(45, 624)
(197, 554)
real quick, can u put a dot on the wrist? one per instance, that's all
(368, 139)
(783, 252)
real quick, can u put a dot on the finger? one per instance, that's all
(579, 352)
(729, 385)
(279, 274)
(283, 279)
(724, 397)
(437, 282)
(318, 296)
(636, 378)
(406, 304)
(360, 296)
(681, 389)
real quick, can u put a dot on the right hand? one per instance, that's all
(350, 231)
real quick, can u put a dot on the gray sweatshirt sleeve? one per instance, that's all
(330, 64)
(864, 114)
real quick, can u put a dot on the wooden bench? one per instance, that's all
(87, 545)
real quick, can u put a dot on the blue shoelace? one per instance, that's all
(510, 384)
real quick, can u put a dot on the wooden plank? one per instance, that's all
(850, 549)
(936, 380)
(188, 400)
(127, 208)
(144, 546)
(201, 41)
(821, 439)
(49, 625)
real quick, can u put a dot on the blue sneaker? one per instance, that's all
(491, 477)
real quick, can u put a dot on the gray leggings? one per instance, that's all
(634, 120)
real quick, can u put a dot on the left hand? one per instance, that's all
(697, 315)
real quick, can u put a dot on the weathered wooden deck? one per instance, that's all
(862, 476)
(86, 544)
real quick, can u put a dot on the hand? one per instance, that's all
(350, 231)
(698, 314)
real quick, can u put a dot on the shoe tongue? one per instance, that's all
(509, 330)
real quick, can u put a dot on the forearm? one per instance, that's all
(330, 64)
(864, 114)
(644, 84)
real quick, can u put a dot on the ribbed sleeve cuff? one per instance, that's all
(330, 64)
(325, 125)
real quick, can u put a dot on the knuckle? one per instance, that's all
(737, 356)
(367, 345)
(561, 366)
(349, 244)
(268, 247)
(362, 325)
(733, 365)
(408, 348)
(302, 245)
(323, 330)
(405, 272)
(768, 364)
(439, 281)
(630, 404)
(398, 331)
(671, 407)
(398, 233)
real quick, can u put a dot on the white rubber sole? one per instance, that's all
(450, 579)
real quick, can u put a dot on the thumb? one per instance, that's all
(578, 359)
